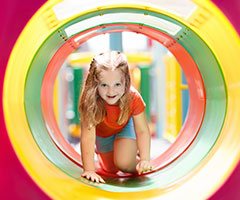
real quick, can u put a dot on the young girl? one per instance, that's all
(112, 116)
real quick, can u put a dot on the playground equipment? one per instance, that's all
(199, 37)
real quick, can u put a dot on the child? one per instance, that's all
(112, 111)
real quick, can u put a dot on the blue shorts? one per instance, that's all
(105, 144)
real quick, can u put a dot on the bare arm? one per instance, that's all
(88, 138)
(143, 135)
(143, 142)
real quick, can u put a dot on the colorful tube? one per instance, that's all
(215, 134)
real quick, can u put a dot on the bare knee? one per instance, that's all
(125, 165)
(125, 151)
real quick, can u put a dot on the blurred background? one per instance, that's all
(155, 73)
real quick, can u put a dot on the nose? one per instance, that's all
(110, 91)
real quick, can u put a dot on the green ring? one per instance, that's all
(208, 134)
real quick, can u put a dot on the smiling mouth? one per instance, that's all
(111, 97)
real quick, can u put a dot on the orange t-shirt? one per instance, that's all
(109, 124)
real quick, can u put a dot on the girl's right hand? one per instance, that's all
(92, 176)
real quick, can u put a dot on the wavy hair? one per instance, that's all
(91, 105)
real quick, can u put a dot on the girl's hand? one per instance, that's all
(92, 176)
(144, 166)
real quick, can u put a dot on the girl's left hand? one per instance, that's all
(144, 166)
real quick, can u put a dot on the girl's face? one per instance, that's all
(111, 86)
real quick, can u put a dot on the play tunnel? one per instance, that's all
(206, 46)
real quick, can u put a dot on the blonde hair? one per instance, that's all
(91, 105)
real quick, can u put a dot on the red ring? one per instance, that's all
(197, 95)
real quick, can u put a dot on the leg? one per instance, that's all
(125, 151)
(105, 153)
(106, 162)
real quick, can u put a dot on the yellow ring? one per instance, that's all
(216, 32)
